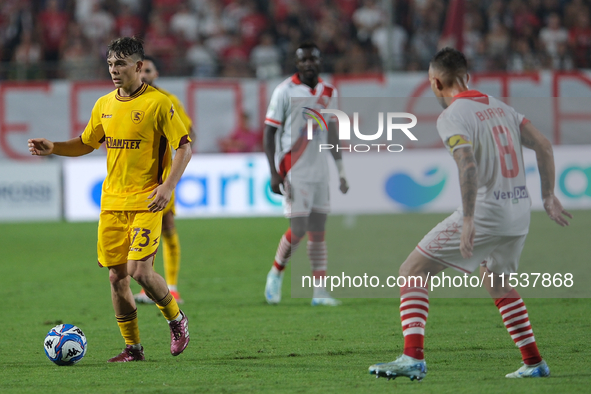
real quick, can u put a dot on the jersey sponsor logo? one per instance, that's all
(457, 140)
(119, 143)
(137, 116)
(517, 193)
(135, 249)
(106, 116)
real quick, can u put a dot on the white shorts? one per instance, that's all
(500, 254)
(305, 198)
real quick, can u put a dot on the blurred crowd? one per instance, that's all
(256, 38)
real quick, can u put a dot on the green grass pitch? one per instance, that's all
(240, 344)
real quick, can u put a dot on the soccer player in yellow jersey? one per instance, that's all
(138, 125)
(170, 238)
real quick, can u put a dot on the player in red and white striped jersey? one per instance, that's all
(299, 170)
(485, 137)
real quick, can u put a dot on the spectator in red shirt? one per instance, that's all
(235, 59)
(159, 42)
(128, 24)
(53, 24)
(242, 139)
(580, 41)
(252, 25)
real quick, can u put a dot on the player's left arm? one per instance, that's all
(163, 193)
(333, 139)
(533, 139)
(468, 170)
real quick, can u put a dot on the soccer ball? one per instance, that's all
(65, 344)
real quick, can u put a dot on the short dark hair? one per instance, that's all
(155, 62)
(307, 45)
(452, 63)
(126, 46)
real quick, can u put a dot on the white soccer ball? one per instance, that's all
(65, 344)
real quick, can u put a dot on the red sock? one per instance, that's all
(414, 309)
(287, 245)
(517, 322)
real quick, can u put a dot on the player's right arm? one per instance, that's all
(468, 170)
(275, 118)
(533, 139)
(269, 146)
(74, 147)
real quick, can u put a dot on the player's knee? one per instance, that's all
(141, 277)
(317, 222)
(299, 227)
(142, 274)
(167, 223)
(117, 277)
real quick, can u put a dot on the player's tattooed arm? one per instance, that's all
(468, 170)
(532, 138)
(464, 157)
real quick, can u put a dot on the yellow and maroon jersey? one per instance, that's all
(139, 132)
(178, 107)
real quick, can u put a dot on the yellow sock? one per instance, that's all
(172, 256)
(129, 328)
(169, 307)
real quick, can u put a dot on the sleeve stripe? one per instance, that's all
(272, 122)
(524, 122)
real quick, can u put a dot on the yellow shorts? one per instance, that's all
(127, 235)
(170, 206)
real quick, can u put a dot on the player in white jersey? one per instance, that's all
(299, 170)
(485, 138)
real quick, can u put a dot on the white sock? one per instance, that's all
(178, 318)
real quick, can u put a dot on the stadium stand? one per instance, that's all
(48, 39)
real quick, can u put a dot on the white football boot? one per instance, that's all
(273, 288)
(323, 297)
(539, 370)
(402, 366)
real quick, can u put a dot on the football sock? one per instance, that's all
(129, 328)
(516, 320)
(414, 309)
(172, 256)
(318, 259)
(169, 307)
(287, 245)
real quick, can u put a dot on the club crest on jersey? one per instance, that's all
(137, 116)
